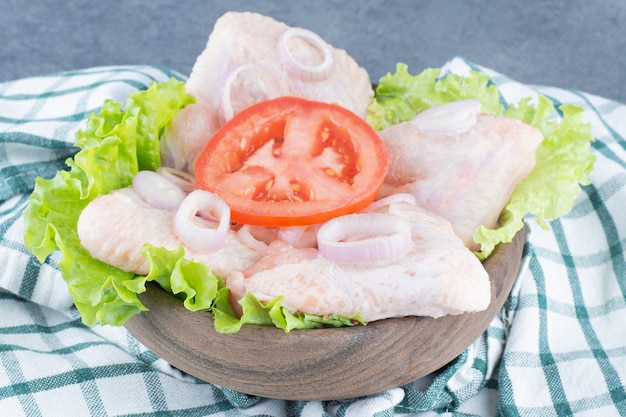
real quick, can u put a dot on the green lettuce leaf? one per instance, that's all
(563, 159)
(400, 95)
(255, 312)
(199, 289)
(114, 145)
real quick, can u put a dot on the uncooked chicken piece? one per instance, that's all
(437, 276)
(467, 179)
(249, 58)
(114, 227)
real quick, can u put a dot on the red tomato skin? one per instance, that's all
(287, 125)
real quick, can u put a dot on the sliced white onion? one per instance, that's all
(299, 236)
(264, 234)
(291, 235)
(184, 180)
(390, 199)
(450, 119)
(364, 237)
(245, 236)
(197, 233)
(244, 86)
(304, 70)
(158, 191)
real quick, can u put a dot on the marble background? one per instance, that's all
(575, 44)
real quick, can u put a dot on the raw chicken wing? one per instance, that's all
(466, 179)
(249, 58)
(114, 227)
(436, 277)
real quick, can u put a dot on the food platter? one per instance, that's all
(320, 364)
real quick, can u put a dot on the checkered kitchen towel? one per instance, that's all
(558, 347)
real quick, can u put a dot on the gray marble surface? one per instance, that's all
(575, 44)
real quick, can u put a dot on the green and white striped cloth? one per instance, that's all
(558, 347)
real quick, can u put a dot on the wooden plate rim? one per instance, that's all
(320, 364)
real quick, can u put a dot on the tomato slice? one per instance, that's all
(292, 162)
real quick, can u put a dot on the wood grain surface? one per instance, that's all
(319, 364)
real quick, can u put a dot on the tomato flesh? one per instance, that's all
(293, 162)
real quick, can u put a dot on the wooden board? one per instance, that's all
(320, 364)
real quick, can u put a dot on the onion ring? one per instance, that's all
(196, 232)
(247, 238)
(297, 67)
(158, 191)
(450, 119)
(245, 85)
(364, 237)
(390, 199)
(184, 180)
